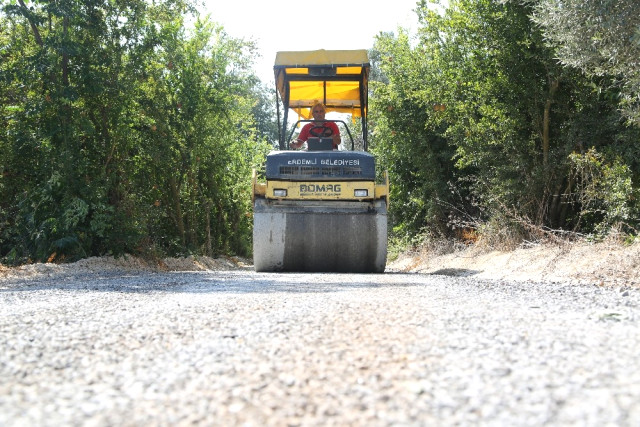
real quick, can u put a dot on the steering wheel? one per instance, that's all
(321, 131)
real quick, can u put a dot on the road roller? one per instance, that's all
(318, 207)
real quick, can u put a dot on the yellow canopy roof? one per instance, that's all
(322, 57)
(337, 78)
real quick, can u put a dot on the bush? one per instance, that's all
(604, 193)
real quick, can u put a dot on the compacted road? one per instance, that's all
(241, 348)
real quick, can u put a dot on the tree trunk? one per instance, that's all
(553, 87)
(65, 55)
(209, 246)
(179, 220)
(34, 28)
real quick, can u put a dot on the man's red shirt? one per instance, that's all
(324, 129)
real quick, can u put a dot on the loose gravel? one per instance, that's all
(236, 347)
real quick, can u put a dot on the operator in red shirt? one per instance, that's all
(320, 128)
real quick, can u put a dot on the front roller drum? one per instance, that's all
(311, 237)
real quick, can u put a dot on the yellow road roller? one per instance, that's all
(318, 207)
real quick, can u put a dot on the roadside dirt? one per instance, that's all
(107, 264)
(607, 263)
(610, 264)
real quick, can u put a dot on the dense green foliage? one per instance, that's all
(602, 38)
(122, 131)
(480, 125)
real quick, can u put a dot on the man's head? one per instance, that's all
(318, 111)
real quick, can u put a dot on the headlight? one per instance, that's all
(361, 193)
(279, 192)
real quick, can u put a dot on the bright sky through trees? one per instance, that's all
(296, 25)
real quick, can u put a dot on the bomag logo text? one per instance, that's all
(320, 189)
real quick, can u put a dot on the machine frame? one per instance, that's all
(320, 210)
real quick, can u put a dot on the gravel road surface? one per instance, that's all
(235, 347)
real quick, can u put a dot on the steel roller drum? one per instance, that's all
(320, 237)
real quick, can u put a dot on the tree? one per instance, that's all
(480, 104)
(122, 131)
(601, 38)
(418, 159)
(264, 112)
